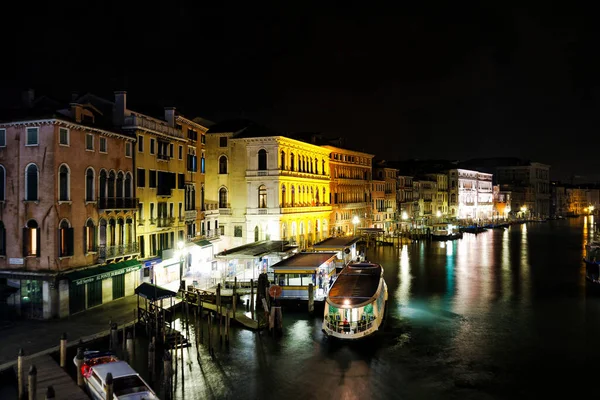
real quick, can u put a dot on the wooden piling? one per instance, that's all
(234, 298)
(50, 395)
(134, 323)
(130, 347)
(210, 345)
(32, 383)
(20, 378)
(79, 363)
(227, 319)
(200, 328)
(167, 371)
(124, 341)
(114, 337)
(252, 298)
(311, 298)
(151, 359)
(109, 387)
(219, 311)
(63, 350)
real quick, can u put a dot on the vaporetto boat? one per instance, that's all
(355, 304)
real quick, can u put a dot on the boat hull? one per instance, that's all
(441, 238)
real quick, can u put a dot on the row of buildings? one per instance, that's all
(96, 198)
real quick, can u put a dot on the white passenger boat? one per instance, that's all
(127, 383)
(356, 302)
(445, 231)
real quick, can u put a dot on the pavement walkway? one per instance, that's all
(36, 336)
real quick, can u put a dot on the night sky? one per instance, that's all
(417, 81)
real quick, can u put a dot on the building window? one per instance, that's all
(282, 159)
(292, 162)
(120, 185)
(262, 196)
(262, 160)
(128, 186)
(180, 152)
(140, 144)
(102, 185)
(89, 236)
(89, 141)
(89, 184)
(2, 239)
(63, 136)
(31, 239)
(2, 137)
(63, 183)
(33, 136)
(31, 182)
(65, 239)
(128, 149)
(222, 165)
(110, 185)
(2, 183)
(283, 203)
(237, 231)
(141, 177)
(103, 145)
(171, 146)
(202, 164)
(152, 178)
(151, 146)
(223, 198)
(223, 141)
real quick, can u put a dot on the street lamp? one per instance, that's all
(181, 252)
(523, 211)
(355, 221)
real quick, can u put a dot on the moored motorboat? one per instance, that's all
(592, 262)
(95, 357)
(127, 383)
(355, 304)
(445, 231)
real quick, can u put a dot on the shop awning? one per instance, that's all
(102, 272)
(153, 292)
(202, 243)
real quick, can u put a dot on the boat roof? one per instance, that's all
(305, 260)
(356, 284)
(117, 369)
(336, 243)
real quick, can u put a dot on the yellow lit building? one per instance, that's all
(267, 186)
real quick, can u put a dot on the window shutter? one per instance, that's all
(58, 243)
(84, 241)
(70, 243)
(25, 241)
(39, 243)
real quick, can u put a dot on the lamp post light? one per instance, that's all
(523, 211)
(355, 221)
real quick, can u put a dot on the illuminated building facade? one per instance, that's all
(378, 196)
(267, 186)
(471, 195)
(439, 202)
(351, 175)
(390, 204)
(530, 182)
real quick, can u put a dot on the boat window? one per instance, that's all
(294, 279)
(128, 384)
(307, 279)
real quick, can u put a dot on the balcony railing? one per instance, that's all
(140, 121)
(110, 252)
(164, 222)
(191, 215)
(118, 203)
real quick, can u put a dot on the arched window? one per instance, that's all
(316, 166)
(299, 163)
(293, 197)
(63, 183)
(102, 184)
(282, 159)
(31, 239)
(223, 198)
(222, 165)
(262, 196)
(90, 236)
(203, 164)
(262, 160)
(317, 195)
(283, 199)
(120, 185)
(2, 183)
(89, 184)
(256, 233)
(202, 198)
(65, 239)
(111, 184)
(31, 182)
(283, 231)
(453, 198)
(292, 162)
(323, 167)
(324, 195)
(2, 239)
(128, 185)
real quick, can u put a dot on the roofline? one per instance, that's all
(67, 124)
(190, 122)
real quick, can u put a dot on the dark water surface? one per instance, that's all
(500, 315)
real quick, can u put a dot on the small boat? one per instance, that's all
(592, 262)
(473, 229)
(445, 231)
(355, 304)
(127, 383)
(95, 357)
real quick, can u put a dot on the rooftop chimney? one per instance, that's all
(170, 116)
(76, 112)
(120, 107)
(28, 96)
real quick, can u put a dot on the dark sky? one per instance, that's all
(416, 81)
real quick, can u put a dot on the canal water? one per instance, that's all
(504, 314)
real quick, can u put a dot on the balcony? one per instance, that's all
(151, 124)
(304, 208)
(118, 203)
(109, 252)
(162, 157)
(164, 222)
(190, 215)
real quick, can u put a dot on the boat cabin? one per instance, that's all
(295, 273)
(127, 383)
(343, 246)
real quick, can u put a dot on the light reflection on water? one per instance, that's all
(496, 314)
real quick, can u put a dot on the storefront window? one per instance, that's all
(31, 299)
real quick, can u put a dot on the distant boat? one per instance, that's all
(355, 305)
(445, 231)
(592, 262)
(473, 229)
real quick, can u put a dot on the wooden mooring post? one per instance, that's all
(234, 298)
(151, 360)
(79, 363)
(63, 350)
(311, 298)
(109, 387)
(20, 378)
(32, 383)
(252, 298)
